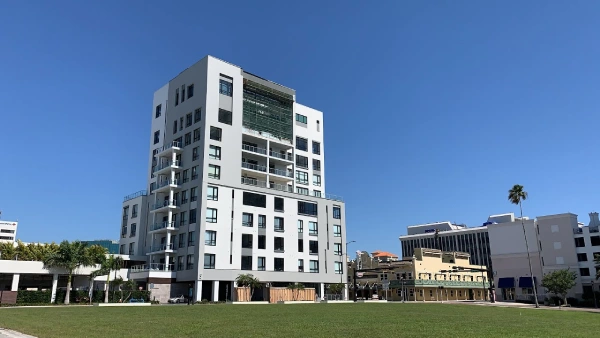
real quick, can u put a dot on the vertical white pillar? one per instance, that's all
(346, 291)
(234, 292)
(198, 291)
(216, 291)
(54, 287)
(322, 295)
(15, 282)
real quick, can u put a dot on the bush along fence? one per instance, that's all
(79, 297)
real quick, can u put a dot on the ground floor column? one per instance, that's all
(215, 291)
(322, 295)
(234, 296)
(15, 282)
(198, 291)
(346, 292)
(54, 287)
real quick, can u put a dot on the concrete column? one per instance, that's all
(215, 291)
(54, 287)
(322, 291)
(15, 282)
(198, 291)
(346, 291)
(234, 292)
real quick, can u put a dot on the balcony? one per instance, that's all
(255, 167)
(283, 173)
(135, 195)
(157, 270)
(164, 206)
(168, 149)
(161, 248)
(280, 156)
(166, 167)
(254, 182)
(253, 149)
(166, 185)
(162, 227)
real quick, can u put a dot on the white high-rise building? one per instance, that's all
(236, 185)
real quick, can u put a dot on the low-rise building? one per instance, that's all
(8, 231)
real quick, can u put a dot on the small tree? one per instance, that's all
(559, 282)
(108, 264)
(337, 288)
(296, 288)
(249, 282)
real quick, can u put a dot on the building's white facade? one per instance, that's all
(8, 231)
(236, 184)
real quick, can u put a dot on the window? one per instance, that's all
(225, 88)
(278, 204)
(582, 257)
(584, 271)
(279, 244)
(261, 264)
(133, 230)
(247, 219)
(313, 228)
(179, 141)
(180, 123)
(158, 111)
(316, 165)
(300, 245)
(302, 191)
(209, 261)
(184, 198)
(214, 152)
(301, 177)
(262, 241)
(313, 247)
(174, 126)
(192, 216)
(301, 265)
(180, 265)
(317, 180)
(316, 148)
(191, 238)
(338, 268)
(300, 226)
(156, 136)
(313, 266)
(553, 228)
(214, 171)
(301, 143)
(560, 260)
(246, 262)
(181, 240)
(579, 242)
(134, 211)
(225, 116)
(176, 97)
(255, 200)
(337, 230)
(337, 212)
(190, 91)
(212, 193)
(188, 120)
(318, 125)
(185, 175)
(210, 238)
(317, 193)
(182, 93)
(194, 172)
(301, 118)
(196, 134)
(302, 161)
(197, 115)
(211, 215)
(262, 221)
(595, 240)
(188, 139)
(278, 224)
(307, 208)
(247, 241)
(557, 245)
(215, 133)
(195, 155)
(190, 262)
(278, 263)
(193, 194)
(337, 249)
(183, 220)
(122, 249)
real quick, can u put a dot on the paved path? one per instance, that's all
(13, 334)
(524, 306)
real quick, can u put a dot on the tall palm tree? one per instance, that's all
(71, 256)
(108, 265)
(516, 196)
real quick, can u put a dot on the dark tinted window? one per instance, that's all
(301, 143)
(225, 116)
(337, 213)
(279, 204)
(255, 200)
(215, 133)
(307, 208)
(302, 161)
(262, 241)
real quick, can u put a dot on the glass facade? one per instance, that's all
(267, 110)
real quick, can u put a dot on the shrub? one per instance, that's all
(34, 297)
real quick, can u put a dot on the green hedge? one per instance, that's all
(33, 297)
(44, 297)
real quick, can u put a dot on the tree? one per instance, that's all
(516, 196)
(597, 261)
(559, 282)
(337, 288)
(7, 251)
(107, 265)
(117, 284)
(71, 256)
(249, 282)
(295, 287)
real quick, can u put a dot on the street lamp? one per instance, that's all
(403, 294)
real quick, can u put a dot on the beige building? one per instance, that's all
(427, 276)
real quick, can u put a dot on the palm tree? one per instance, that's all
(107, 265)
(516, 196)
(71, 256)
(249, 282)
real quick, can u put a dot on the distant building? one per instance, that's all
(8, 231)
(110, 245)
(384, 256)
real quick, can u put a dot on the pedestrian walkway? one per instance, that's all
(13, 334)
(523, 306)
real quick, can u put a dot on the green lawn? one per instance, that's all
(301, 320)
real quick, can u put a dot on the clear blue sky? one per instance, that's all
(433, 109)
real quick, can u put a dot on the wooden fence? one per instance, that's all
(273, 295)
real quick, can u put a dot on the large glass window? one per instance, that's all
(301, 177)
(247, 219)
(262, 221)
(317, 180)
(316, 164)
(246, 262)
(314, 266)
(279, 244)
(301, 118)
(214, 171)
(337, 231)
(225, 88)
(301, 265)
(302, 161)
(247, 241)
(225, 116)
(278, 263)
(214, 152)
(301, 143)
(279, 204)
(337, 249)
(212, 193)
(215, 133)
(255, 200)
(210, 238)
(190, 262)
(278, 224)
(313, 228)
(300, 226)
(211, 215)
(307, 208)
(316, 148)
(337, 212)
(313, 247)
(338, 268)
(261, 264)
(209, 261)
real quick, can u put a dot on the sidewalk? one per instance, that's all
(13, 334)
(523, 306)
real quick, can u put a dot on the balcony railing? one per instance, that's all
(285, 173)
(163, 225)
(287, 157)
(135, 195)
(161, 247)
(174, 144)
(254, 149)
(253, 181)
(152, 267)
(168, 203)
(251, 166)
(166, 164)
(284, 187)
(165, 183)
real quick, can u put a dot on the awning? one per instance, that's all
(506, 282)
(525, 282)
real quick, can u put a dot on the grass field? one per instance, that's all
(301, 320)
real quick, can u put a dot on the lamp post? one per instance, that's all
(403, 294)
(345, 263)
(594, 293)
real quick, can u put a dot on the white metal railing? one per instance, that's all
(253, 149)
(163, 225)
(253, 181)
(153, 267)
(284, 187)
(173, 144)
(166, 165)
(161, 247)
(165, 183)
(287, 157)
(167, 203)
(265, 135)
(251, 166)
(285, 173)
